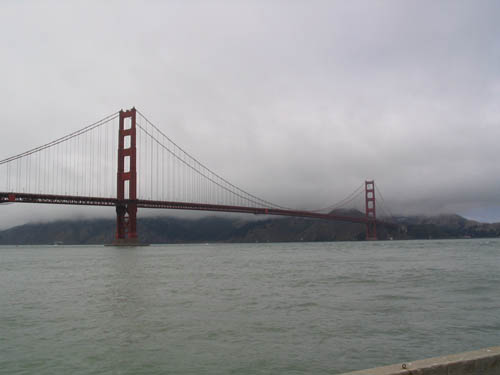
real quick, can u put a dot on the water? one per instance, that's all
(298, 308)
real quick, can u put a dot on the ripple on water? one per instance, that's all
(303, 308)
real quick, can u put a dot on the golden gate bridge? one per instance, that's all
(141, 168)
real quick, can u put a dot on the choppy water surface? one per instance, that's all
(298, 308)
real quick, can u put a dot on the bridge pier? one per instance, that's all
(126, 223)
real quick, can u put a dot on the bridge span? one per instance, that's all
(151, 171)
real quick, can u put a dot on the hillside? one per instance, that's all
(447, 226)
(217, 229)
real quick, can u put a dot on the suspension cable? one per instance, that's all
(86, 129)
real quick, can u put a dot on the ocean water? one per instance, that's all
(287, 308)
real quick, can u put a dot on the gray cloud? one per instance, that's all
(296, 101)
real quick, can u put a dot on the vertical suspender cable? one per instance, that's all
(151, 165)
(163, 197)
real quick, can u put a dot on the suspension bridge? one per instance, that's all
(142, 168)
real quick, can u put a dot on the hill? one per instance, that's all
(220, 229)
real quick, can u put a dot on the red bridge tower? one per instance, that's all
(126, 206)
(371, 224)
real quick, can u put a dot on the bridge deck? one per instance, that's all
(95, 201)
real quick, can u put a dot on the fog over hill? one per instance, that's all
(227, 229)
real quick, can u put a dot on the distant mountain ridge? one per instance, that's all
(227, 229)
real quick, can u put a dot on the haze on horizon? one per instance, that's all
(297, 102)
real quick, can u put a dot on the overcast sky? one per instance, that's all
(296, 101)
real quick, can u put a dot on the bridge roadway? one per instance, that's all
(142, 203)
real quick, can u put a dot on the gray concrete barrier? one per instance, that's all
(479, 362)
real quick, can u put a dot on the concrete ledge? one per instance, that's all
(479, 362)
